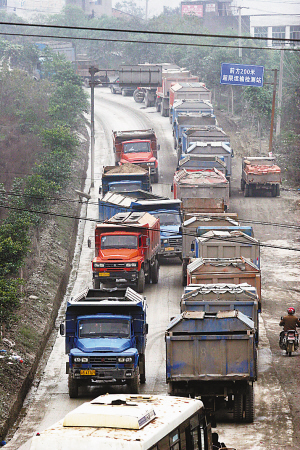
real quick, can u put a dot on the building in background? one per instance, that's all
(30, 8)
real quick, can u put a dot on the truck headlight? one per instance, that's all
(85, 360)
(165, 241)
(121, 360)
(128, 359)
(133, 264)
(77, 360)
(98, 265)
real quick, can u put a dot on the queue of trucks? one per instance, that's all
(211, 345)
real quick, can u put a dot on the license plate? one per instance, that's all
(104, 274)
(88, 372)
(169, 249)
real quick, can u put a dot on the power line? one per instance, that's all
(161, 33)
(133, 41)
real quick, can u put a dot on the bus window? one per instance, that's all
(174, 440)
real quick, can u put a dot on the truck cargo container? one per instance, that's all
(224, 270)
(201, 162)
(260, 174)
(190, 107)
(126, 251)
(206, 184)
(170, 77)
(203, 133)
(213, 355)
(227, 244)
(187, 90)
(137, 147)
(128, 178)
(105, 338)
(222, 297)
(184, 121)
(220, 149)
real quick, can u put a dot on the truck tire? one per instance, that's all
(157, 106)
(274, 190)
(238, 408)
(124, 93)
(155, 177)
(242, 184)
(142, 369)
(73, 387)
(134, 383)
(112, 90)
(141, 281)
(155, 272)
(96, 283)
(277, 190)
(163, 111)
(246, 191)
(184, 275)
(249, 405)
(138, 96)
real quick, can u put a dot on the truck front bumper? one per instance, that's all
(116, 276)
(102, 375)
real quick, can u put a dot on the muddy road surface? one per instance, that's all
(277, 392)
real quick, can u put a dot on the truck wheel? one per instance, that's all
(238, 408)
(141, 281)
(155, 177)
(73, 387)
(138, 96)
(246, 191)
(134, 383)
(277, 190)
(142, 369)
(112, 90)
(147, 101)
(163, 111)
(249, 405)
(171, 390)
(155, 272)
(157, 106)
(184, 275)
(242, 184)
(96, 283)
(274, 190)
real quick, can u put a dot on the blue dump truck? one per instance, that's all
(202, 162)
(168, 211)
(213, 355)
(105, 338)
(128, 178)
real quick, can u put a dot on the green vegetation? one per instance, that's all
(48, 112)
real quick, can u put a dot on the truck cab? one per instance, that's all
(105, 339)
(140, 152)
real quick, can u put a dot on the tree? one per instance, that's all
(130, 7)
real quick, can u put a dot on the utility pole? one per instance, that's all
(278, 124)
(146, 14)
(273, 110)
(240, 31)
(92, 71)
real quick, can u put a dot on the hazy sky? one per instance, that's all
(250, 7)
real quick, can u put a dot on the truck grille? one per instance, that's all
(100, 361)
(175, 242)
(113, 265)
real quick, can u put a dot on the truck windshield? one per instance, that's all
(124, 187)
(92, 328)
(119, 241)
(168, 219)
(136, 147)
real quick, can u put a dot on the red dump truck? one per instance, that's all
(126, 250)
(260, 173)
(137, 147)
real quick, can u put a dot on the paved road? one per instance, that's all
(275, 412)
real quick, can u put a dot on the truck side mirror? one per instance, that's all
(172, 188)
(146, 328)
(180, 230)
(62, 329)
(148, 242)
(158, 147)
(89, 243)
(192, 246)
(100, 190)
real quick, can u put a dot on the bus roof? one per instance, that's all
(123, 422)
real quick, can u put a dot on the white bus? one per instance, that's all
(115, 422)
